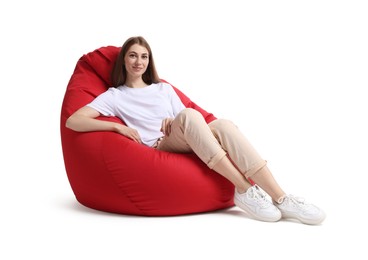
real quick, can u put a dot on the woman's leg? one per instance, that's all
(212, 142)
(190, 132)
(249, 163)
(227, 169)
(245, 157)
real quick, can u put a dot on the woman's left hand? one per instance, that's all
(166, 126)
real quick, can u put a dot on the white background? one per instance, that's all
(291, 74)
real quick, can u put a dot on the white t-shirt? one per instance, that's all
(140, 108)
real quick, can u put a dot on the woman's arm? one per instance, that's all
(84, 120)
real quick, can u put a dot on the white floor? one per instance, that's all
(291, 74)
(52, 225)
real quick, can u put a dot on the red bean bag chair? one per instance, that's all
(111, 173)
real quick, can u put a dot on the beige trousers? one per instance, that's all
(211, 142)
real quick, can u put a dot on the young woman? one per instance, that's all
(156, 117)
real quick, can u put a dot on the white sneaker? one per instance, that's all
(256, 205)
(297, 208)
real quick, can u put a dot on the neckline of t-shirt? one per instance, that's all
(138, 89)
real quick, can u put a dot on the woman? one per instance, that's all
(155, 116)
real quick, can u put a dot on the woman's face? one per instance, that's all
(136, 60)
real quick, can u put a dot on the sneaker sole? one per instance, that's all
(254, 216)
(287, 215)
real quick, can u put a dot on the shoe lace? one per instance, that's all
(297, 202)
(260, 197)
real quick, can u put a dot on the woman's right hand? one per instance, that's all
(128, 132)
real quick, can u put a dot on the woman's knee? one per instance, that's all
(189, 113)
(222, 124)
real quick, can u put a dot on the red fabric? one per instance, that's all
(109, 172)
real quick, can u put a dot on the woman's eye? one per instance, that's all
(132, 55)
(145, 57)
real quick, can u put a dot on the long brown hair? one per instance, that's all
(119, 73)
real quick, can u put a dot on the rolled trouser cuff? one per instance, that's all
(255, 168)
(216, 159)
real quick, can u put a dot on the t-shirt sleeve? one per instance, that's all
(104, 103)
